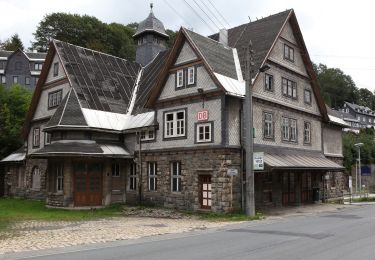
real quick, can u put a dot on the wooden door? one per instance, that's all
(288, 189)
(205, 191)
(87, 184)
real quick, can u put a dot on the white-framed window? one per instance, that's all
(369, 120)
(268, 126)
(289, 88)
(289, 129)
(191, 75)
(288, 53)
(152, 176)
(55, 69)
(38, 66)
(147, 135)
(3, 80)
(115, 169)
(285, 128)
(174, 124)
(47, 138)
(307, 133)
(59, 178)
(179, 78)
(204, 132)
(307, 95)
(132, 177)
(176, 176)
(268, 82)
(36, 137)
(15, 79)
(27, 81)
(54, 98)
(35, 184)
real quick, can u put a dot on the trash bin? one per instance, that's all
(316, 194)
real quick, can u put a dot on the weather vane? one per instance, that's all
(151, 6)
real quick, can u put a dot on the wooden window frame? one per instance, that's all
(288, 53)
(289, 88)
(132, 177)
(310, 97)
(55, 69)
(268, 82)
(36, 137)
(290, 126)
(15, 79)
(190, 71)
(152, 175)
(175, 124)
(116, 169)
(204, 125)
(268, 126)
(180, 75)
(305, 131)
(176, 176)
(54, 98)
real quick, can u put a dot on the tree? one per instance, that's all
(366, 98)
(14, 103)
(12, 44)
(336, 86)
(172, 37)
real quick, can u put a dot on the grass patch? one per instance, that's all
(364, 199)
(21, 209)
(236, 216)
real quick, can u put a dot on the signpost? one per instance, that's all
(258, 158)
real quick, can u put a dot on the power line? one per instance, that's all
(199, 16)
(178, 14)
(343, 57)
(206, 15)
(219, 13)
(213, 14)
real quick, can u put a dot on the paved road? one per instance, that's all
(345, 234)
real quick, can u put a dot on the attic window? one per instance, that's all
(54, 98)
(191, 76)
(288, 53)
(180, 79)
(55, 69)
(38, 66)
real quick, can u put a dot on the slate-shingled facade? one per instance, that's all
(167, 132)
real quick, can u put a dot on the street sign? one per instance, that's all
(258, 161)
(232, 172)
(366, 170)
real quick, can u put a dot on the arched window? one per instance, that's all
(35, 179)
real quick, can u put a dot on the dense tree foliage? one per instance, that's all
(14, 103)
(12, 44)
(88, 31)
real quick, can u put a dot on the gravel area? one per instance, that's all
(35, 235)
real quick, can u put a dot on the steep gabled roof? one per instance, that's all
(32, 56)
(101, 81)
(219, 61)
(262, 34)
(219, 57)
(149, 77)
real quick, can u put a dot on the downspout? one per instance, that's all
(241, 163)
(140, 168)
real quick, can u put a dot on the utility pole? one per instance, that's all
(248, 130)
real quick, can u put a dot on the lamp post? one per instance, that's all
(248, 129)
(358, 145)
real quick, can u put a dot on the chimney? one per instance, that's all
(223, 37)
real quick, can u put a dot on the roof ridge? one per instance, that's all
(207, 37)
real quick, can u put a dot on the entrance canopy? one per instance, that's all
(82, 148)
(289, 158)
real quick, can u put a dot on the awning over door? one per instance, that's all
(288, 158)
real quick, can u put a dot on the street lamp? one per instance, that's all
(248, 129)
(358, 145)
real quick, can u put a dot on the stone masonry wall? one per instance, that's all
(214, 162)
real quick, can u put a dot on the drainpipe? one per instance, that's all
(140, 168)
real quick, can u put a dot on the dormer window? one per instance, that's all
(180, 78)
(55, 69)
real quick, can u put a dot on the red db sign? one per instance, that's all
(203, 115)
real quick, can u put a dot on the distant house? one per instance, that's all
(356, 116)
(20, 67)
(167, 128)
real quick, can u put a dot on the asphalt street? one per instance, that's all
(344, 234)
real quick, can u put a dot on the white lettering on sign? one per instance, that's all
(203, 115)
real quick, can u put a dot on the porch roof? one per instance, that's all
(82, 148)
(294, 159)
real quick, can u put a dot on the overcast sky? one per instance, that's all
(337, 33)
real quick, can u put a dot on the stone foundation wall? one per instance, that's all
(213, 162)
(55, 200)
(42, 164)
(337, 182)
